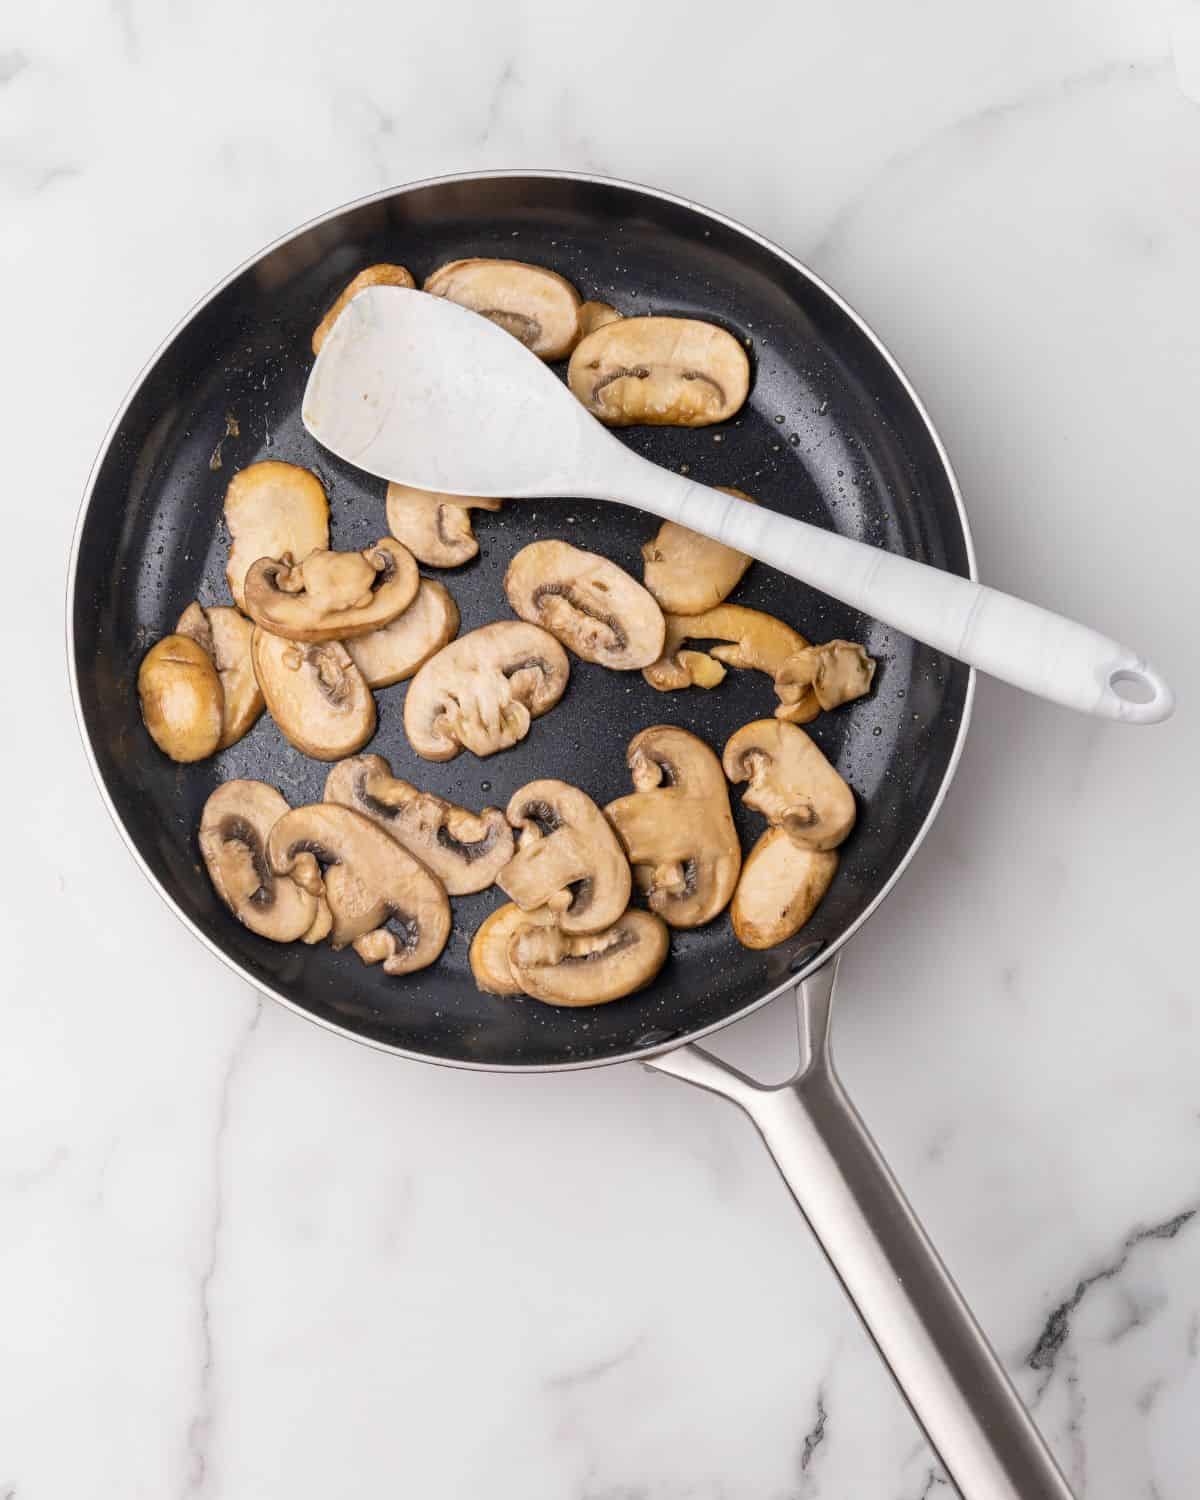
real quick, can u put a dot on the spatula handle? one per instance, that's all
(1023, 644)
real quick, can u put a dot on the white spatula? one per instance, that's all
(418, 390)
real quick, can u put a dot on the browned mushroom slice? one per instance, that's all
(537, 306)
(394, 652)
(369, 881)
(332, 596)
(589, 969)
(593, 315)
(781, 886)
(465, 850)
(435, 527)
(225, 635)
(315, 693)
(791, 783)
(589, 603)
(663, 371)
(688, 573)
(181, 698)
(234, 828)
(380, 275)
(754, 640)
(489, 947)
(678, 825)
(482, 691)
(569, 858)
(822, 677)
(272, 509)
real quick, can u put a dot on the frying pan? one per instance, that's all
(833, 434)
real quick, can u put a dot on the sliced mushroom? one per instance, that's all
(369, 881)
(589, 969)
(482, 691)
(589, 603)
(664, 371)
(678, 825)
(332, 596)
(593, 315)
(380, 275)
(688, 573)
(465, 850)
(436, 528)
(272, 509)
(781, 886)
(225, 635)
(755, 640)
(489, 946)
(791, 783)
(181, 698)
(234, 829)
(394, 652)
(822, 677)
(569, 858)
(537, 306)
(315, 693)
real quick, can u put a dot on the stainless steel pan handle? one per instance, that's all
(944, 1366)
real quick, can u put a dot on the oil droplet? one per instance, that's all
(877, 731)
(794, 440)
(779, 419)
(485, 786)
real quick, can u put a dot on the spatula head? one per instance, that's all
(418, 390)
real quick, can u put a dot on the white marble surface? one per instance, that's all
(240, 1258)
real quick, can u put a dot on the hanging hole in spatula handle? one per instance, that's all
(1141, 694)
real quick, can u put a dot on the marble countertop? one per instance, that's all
(241, 1258)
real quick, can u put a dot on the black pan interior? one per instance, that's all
(829, 434)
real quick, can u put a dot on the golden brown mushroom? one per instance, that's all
(482, 691)
(674, 371)
(822, 677)
(225, 635)
(181, 698)
(790, 783)
(593, 315)
(489, 947)
(272, 509)
(537, 306)
(588, 969)
(394, 652)
(688, 573)
(569, 859)
(465, 850)
(435, 527)
(332, 596)
(677, 825)
(781, 886)
(755, 640)
(588, 603)
(315, 693)
(379, 275)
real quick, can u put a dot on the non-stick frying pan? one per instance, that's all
(832, 433)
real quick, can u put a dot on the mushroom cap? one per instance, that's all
(395, 651)
(489, 947)
(688, 573)
(435, 527)
(663, 371)
(315, 693)
(822, 677)
(369, 880)
(382, 274)
(781, 886)
(225, 635)
(234, 828)
(481, 691)
(535, 305)
(588, 968)
(677, 826)
(755, 640)
(272, 509)
(181, 698)
(332, 596)
(791, 783)
(589, 603)
(593, 315)
(569, 858)
(465, 850)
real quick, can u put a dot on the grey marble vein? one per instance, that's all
(594, 1369)
(815, 1435)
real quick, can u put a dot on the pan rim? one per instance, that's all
(641, 1054)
